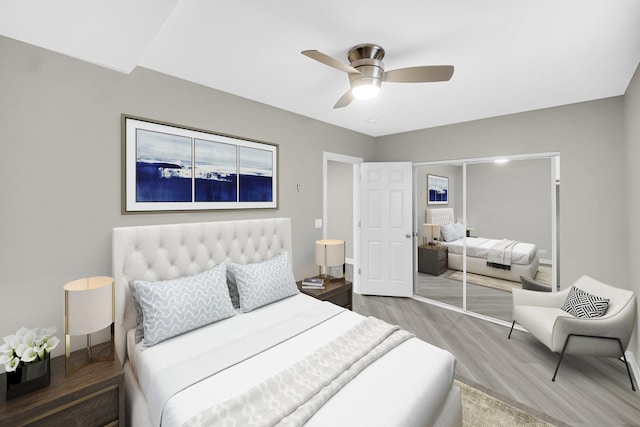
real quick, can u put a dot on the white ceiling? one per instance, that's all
(509, 55)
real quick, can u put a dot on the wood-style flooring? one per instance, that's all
(588, 391)
(480, 299)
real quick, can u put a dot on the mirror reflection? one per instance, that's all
(494, 239)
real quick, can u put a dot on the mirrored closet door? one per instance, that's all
(497, 223)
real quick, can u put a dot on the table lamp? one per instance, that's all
(329, 253)
(430, 232)
(88, 308)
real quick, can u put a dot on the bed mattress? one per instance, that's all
(478, 247)
(245, 349)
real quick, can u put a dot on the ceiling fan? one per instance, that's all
(366, 72)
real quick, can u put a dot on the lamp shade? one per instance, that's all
(329, 252)
(89, 305)
(430, 232)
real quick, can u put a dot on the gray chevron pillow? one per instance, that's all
(264, 282)
(173, 307)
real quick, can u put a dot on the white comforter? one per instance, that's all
(249, 348)
(478, 247)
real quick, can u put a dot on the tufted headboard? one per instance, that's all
(439, 216)
(161, 252)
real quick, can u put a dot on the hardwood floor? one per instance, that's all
(588, 391)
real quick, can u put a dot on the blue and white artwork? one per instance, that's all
(438, 190)
(216, 172)
(173, 168)
(163, 167)
(256, 175)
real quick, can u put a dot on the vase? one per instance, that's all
(28, 378)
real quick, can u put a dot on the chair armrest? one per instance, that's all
(532, 285)
(539, 299)
(618, 326)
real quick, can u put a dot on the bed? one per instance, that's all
(523, 257)
(199, 376)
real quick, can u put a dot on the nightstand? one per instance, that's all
(337, 291)
(433, 259)
(91, 396)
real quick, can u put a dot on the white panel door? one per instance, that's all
(386, 251)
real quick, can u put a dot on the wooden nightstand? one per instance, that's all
(337, 291)
(91, 396)
(433, 259)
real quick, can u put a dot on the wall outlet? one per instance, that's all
(318, 222)
(542, 251)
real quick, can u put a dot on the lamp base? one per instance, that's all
(93, 354)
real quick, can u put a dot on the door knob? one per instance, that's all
(408, 235)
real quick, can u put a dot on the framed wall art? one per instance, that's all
(438, 190)
(174, 168)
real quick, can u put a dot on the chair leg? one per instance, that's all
(511, 330)
(624, 359)
(564, 347)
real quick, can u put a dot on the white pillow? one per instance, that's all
(264, 282)
(173, 307)
(451, 232)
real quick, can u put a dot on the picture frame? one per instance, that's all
(437, 190)
(169, 167)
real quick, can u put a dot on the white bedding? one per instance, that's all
(478, 247)
(311, 323)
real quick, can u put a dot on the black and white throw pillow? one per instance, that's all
(582, 304)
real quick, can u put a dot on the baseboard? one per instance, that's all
(633, 364)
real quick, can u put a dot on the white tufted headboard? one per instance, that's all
(440, 216)
(161, 252)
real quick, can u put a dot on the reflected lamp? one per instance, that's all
(430, 233)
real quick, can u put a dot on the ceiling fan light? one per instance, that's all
(365, 91)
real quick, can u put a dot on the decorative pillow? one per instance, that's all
(173, 307)
(139, 316)
(264, 282)
(582, 304)
(451, 232)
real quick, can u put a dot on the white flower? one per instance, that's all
(22, 331)
(5, 349)
(12, 340)
(48, 332)
(29, 338)
(51, 343)
(29, 355)
(12, 364)
(4, 359)
(27, 346)
(19, 349)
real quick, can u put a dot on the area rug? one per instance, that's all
(481, 407)
(543, 276)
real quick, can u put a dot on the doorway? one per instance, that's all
(340, 212)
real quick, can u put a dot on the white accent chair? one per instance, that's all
(607, 336)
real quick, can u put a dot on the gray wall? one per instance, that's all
(632, 128)
(60, 173)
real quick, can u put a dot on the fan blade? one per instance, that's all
(344, 100)
(429, 73)
(330, 61)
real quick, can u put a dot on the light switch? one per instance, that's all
(318, 222)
